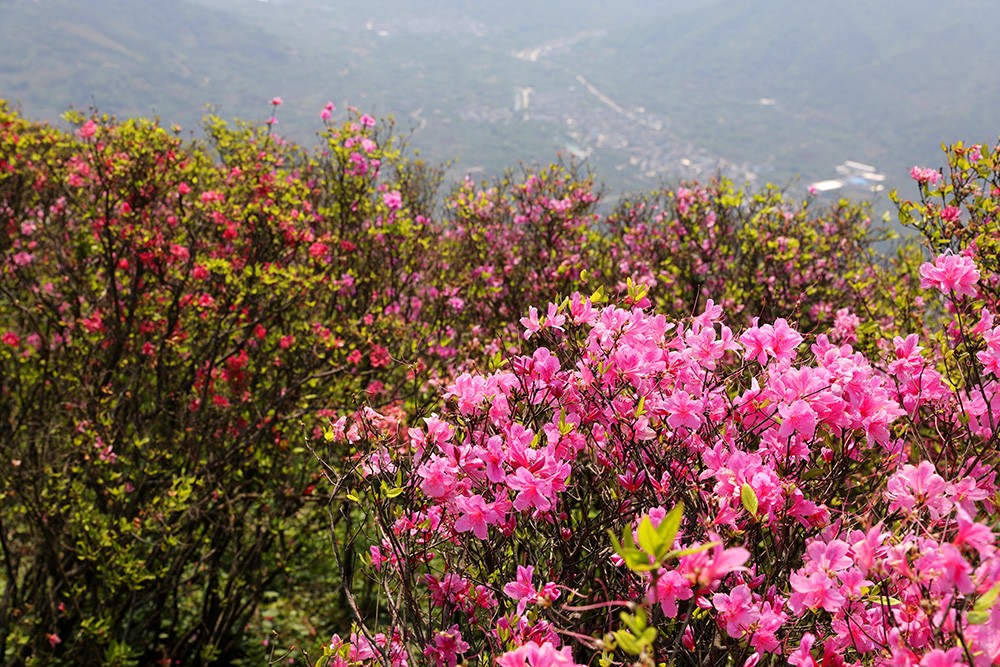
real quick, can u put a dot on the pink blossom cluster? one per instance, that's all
(950, 273)
(823, 530)
(925, 175)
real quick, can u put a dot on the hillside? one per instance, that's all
(760, 90)
(877, 83)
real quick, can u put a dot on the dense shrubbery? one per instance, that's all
(778, 499)
(217, 359)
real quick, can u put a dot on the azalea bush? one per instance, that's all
(256, 394)
(621, 487)
(175, 321)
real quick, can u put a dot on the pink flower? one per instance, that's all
(87, 130)
(684, 411)
(531, 323)
(535, 492)
(973, 534)
(845, 325)
(447, 646)
(522, 589)
(276, 101)
(671, 586)
(477, 515)
(439, 477)
(379, 357)
(951, 214)
(813, 592)
(735, 610)
(779, 341)
(940, 658)
(950, 274)
(944, 569)
(799, 418)
(23, 258)
(469, 390)
(918, 486)
(393, 200)
(367, 121)
(802, 656)
(318, 250)
(710, 568)
(925, 175)
(533, 655)
(829, 556)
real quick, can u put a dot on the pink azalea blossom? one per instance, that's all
(446, 646)
(736, 610)
(393, 200)
(802, 656)
(685, 412)
(87, 130)
(671, 586)
(798, 417)
(815, 591)
(950, 274)
(916, 487)
(477, 515)
(925, 175)
(535, 655)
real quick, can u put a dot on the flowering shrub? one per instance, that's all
(757, 255)
(790, 438)
(171, 317)
(778, 499)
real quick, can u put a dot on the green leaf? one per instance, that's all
(749, 498)
(649, 537)
(638, 636)
(669, 526)
(693, 550)
(977, 617)
(635, 622)
(638, 561)
(988, 599)
(616, 544)
(627, 642)
(634, 558)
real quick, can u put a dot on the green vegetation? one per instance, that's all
(181, 323)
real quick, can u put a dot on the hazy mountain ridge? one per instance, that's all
(131, 58)
(768, 89)
(878, 82)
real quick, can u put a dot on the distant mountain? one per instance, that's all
(133, 57)
(807, 84)
(643, 91)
